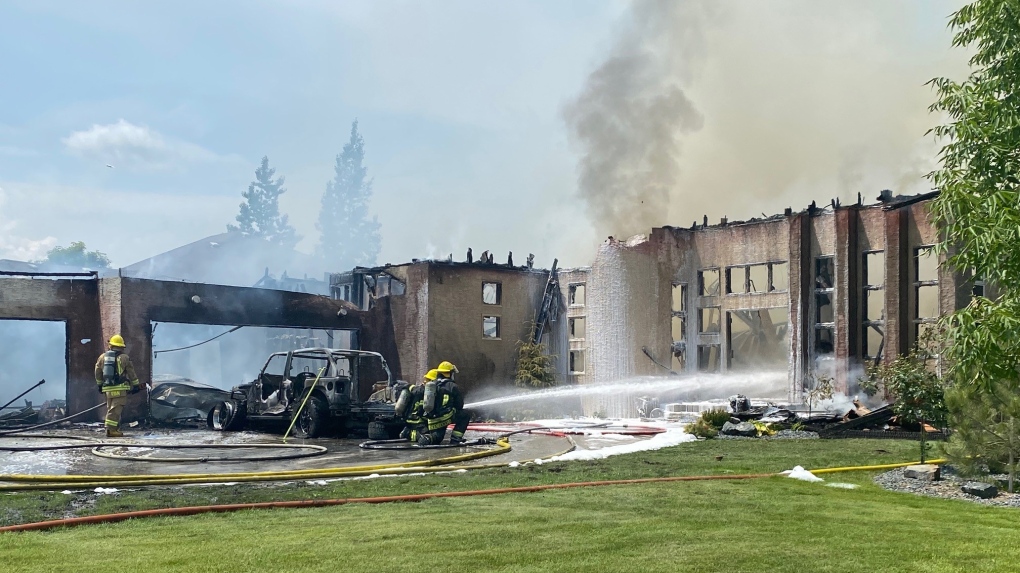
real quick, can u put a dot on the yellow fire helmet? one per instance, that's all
(117, 340)
(446, 367)
(431, 375)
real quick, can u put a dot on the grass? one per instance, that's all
(762, 524)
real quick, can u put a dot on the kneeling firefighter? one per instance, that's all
(115, 377)
(410, 407)
(443, 404)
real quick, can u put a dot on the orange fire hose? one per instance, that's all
(194, 510)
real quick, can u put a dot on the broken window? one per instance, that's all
(757, 338)
(678, 328)
(492, 293)
(873, 309)
(576, 326)
(708, 282)
(576, 362)
(708, 358)
(708, 320)
(823, 308)
(490, 327)
(575, 294)
(926, 291)
(679, 297)
(757, 278)
(824, 272)
(978, 288)
(926, 264)
(825, 342)
(736, 280)
(780, 277)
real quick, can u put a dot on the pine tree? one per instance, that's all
(348, 236)
(260, 212)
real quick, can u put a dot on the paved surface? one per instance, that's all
(341, 452)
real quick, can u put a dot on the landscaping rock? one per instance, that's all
(745, 429)
(980, 489)
(925, 472)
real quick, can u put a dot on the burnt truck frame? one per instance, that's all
(338, 402)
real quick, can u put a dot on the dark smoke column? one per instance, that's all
(630, 119)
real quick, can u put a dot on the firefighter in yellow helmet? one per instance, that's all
(115, 378)
(409, 406)
(444, 404)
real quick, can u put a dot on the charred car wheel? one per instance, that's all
(313, 419)
(227, 416)
(379, 431)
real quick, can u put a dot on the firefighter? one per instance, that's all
(115, 377)
(410, 401)
(443, 404)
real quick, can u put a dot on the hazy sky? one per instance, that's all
(463, 107)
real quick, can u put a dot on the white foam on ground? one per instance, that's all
(802, 474)
(842, 485)
(671, 437)
(105, 490)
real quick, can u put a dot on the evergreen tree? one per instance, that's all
(348, 237)
(260, 212)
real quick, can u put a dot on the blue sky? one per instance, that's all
(460, 104)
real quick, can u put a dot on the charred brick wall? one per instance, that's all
(76, 303)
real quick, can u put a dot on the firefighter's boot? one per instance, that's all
(112, 432)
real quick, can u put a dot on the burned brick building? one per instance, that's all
(819, 291)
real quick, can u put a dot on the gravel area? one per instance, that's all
(780, 435)
(947, 488)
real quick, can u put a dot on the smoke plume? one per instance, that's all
(632, 115)
(730, 108)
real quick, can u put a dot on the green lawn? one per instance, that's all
(757, 525)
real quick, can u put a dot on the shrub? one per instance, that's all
(701, 429)
(715, 417)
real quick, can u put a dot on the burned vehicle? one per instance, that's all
(321, 390)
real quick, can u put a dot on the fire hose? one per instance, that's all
(195, 510)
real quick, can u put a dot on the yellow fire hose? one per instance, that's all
(449, 463)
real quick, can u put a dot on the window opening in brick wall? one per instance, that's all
(758, 278)
(576, 359)
(780, 276)
(708, 358)
(757, 338)
(926, 289)
(492, 293)
(490, 327)
(679, 303)
(678, 327)
(736, 280)
(576, 327)
(708, 282)
(873, 306)
(825, 325)
(708, 320)
(575, 294)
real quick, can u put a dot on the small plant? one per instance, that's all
(702, 429)
(600, 414)
(797, 426)
(716, 417)
(534, 366)
(763, 429)
(708, 424)
(817, 387)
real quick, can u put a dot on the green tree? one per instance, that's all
(260, 212)
(348, 237)
(978, 211)
(986, 429)
(76, 255)
(534, 366)
(917, 391)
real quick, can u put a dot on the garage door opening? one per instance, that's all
(30, 351)
(225, 356)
